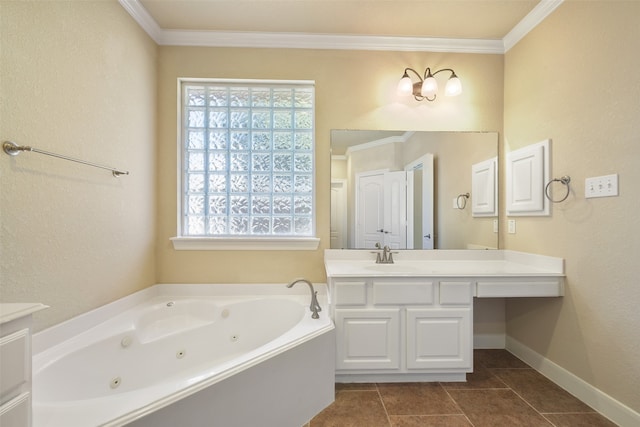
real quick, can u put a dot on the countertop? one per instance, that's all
(447, 263)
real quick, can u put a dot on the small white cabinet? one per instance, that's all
(15, 363)
(439, 338)
(403, 329)
(368, 339)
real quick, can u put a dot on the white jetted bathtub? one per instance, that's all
(188, 355)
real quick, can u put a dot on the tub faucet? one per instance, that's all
(314, 306)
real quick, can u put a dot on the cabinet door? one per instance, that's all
(367, 339)
(439, 338)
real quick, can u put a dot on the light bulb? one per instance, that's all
(405, 85)
(454, 87)
(429, 87)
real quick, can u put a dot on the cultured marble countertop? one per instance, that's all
(12, 311)
(443, 263)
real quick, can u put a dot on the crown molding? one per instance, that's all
(326, 41)
(380, 142)
(339, 42)
(142, 17)
(529, 22)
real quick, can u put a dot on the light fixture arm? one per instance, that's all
(416, 89)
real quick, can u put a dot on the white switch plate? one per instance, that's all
(511, 225)
(601, 186)
(495, 225)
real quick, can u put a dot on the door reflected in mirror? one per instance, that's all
(406, 189)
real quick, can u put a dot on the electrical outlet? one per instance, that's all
(511, 226)
(601, 186)
(495, 225)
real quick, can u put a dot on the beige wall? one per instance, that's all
(575, 79)
(77, 78)
(354, 90)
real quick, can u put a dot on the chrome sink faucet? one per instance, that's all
(386, 257)
(314, 306)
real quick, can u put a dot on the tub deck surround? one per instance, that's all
(170, 347)
(413, 320)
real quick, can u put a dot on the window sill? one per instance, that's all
(245, 244)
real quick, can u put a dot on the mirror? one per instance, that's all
(414, 190)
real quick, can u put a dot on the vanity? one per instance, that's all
(413, 320)
(15, 362)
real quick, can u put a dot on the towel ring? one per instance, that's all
(565, 180)
(464, 196)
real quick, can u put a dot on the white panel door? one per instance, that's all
(439, 338)
(367, 339)
(395, 210)
(420, 209)
(370, 211)
(381, 210)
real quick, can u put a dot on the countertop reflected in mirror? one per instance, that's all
(406, 189)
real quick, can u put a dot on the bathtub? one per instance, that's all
(188, 355)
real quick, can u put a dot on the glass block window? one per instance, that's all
(247, 159)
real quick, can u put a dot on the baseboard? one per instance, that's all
(598, 400)
(488, 340)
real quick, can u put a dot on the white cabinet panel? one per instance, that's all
(14, 358)
(16, 412)
(439, 338)
(402, 292)
(484, 188)
(351, 293)
(367, 339)
(456, 293)
(527, 174)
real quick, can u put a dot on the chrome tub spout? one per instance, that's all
(314, 306)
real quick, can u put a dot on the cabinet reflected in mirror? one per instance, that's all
(407, 189)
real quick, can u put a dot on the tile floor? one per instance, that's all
(502, 391)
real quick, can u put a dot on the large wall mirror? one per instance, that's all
(414, 190)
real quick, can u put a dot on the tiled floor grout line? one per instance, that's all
(383, 405)
(457, 405)
(531, 406)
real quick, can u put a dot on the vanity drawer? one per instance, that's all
(402, 292)
(351, 293)
(456, 293)
(14, 361)
(16, 412)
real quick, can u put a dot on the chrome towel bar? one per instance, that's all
(13, 149)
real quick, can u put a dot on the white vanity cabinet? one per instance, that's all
(403, 329)
(15, 363)
(412, 320)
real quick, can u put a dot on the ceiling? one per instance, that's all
(468, 19)
(471, 26)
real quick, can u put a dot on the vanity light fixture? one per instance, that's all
(427, 86)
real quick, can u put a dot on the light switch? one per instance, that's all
(601, 186)
(511, 226)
